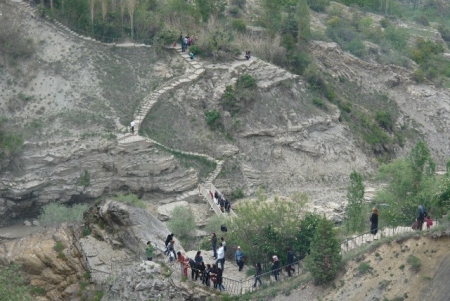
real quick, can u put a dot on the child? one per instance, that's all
(429, 222)
(171, 255)
(191, 55)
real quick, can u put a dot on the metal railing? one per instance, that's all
(395, 228)
(239, 287)
(202, 190)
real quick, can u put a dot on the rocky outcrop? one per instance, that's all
(74, 170)
(49, 260)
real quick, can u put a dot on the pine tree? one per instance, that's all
(303, 18)
(324, 258)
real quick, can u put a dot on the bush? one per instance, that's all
(240, 3)
(12, 286)
(194, 49)
(414, 263)
(445, 33)
(212, 119)
(84, 179)
(422, 20)
(418, 75)
(13, 45)
(238, 25)
(245, 81)
(319, 103)
(130, 199)
(237, 194)
(54, 213)
(318, 5)
(233, 10)
(364, 268)
(324, 258)
(182, 224)
(384, 119)
(58, 247)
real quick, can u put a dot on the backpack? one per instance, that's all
(223, 228)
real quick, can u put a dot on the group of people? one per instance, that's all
(422, 217)
(186, 42)
(221, 201)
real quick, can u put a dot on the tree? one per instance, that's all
(131, 5)
(271, 17)
(324, 258)
(303, 16)
(421, 164)
(92, 10)
(182, 223)
(355, 217)
(104, 5)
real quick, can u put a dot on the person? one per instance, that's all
(171, 245)
(213, 275)
(191, 55)
(275, 266)
(214, 244)
(247, 55)
(258, 272)
(132, 127)
(218, 283)
(166, 243)
(149, 251)
(200, 271)
(290, 260)
(198, 257)
(185, 40)
(224, 244)
(374, 221)
(420, 217)
(183, 263)
(428, 221)
(171, 254)
(206, 274)
(194, 270)
(240, 258)
(220, 256)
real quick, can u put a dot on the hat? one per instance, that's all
(239, 247)
(274, 257)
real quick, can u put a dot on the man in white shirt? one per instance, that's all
(220, 256)
(132, 127)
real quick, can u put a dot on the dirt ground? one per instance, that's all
(386, 274)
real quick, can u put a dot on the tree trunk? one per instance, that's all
(92, 7)
(104, 9)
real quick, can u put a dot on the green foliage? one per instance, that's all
(130, 199)
(217, 41)
(245, 81)
(12, 286)
(318, 5)
(319, 103)
(84, 179)
(36, 291)
(238, 25)
(86, 232)
(13, 45)
(411, 182)
(237, 194)
(240, 3)
(167, 36)
(344, 34)
(422, 20)
(206, 8)
(324, 258)
(212, 119)
(418, 75)
(445, 33)
(384, 119)
(259, 230)
(364, 268)
(414, 263)
(303, 21)
(182, 223)
(397, 37)
(305, 233)
(54, 213)
(355, 213)
(58, 247)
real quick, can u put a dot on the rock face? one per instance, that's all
(71, 170)
(49, 259)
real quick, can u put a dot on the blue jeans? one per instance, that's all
(221, 261)
(257, 279)
(214, 251)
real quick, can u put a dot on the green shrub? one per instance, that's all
(182, 223)
(84, 179)
(240, 3)
(385, 23)
(86, 232)
(36, 291)
(319, 103)
(194, 49)
(238, 25)
(237, 194)
(13, 45)
(212, 119)
(58, 247)
(318, 5)
(445, 33)
(418, 75)
(422, 20)
(130, 199)
(54, 213)
(364, 268)
(12, 286)
(384, 119)
(233, 10)
(414, 263)
(245, 81)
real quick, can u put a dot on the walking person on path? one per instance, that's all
(214, 244)
(275, 266)
(374, 221)
(258, 272)
(221, 256)
(183, 264)
(149, 251)
(290, 260)
(132, 127)
(166, 243)
(420, 217)
(240, 257)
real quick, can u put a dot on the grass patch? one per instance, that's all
(364, 268)
(53, 214)
(414, 263)
(130, 199)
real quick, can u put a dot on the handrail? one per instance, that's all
(202, 190)
(214, 189)
(239, 287)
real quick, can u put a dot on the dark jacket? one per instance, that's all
(214, 241)
(275, 266)
(290, 257)
(168, 239)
